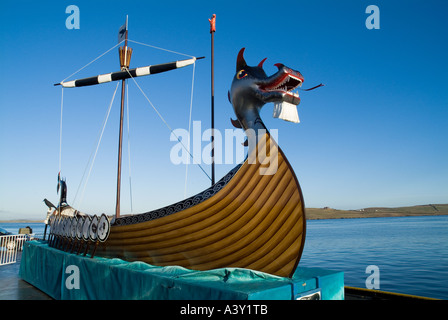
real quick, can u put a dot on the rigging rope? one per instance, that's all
(96, 151)
(60, 131)
(189, 128)
(148, 45)
(137, 42)
(107, 116)
(167, 125)
(93, 60)
(62, 104)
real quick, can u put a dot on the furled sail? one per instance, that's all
(126, 74)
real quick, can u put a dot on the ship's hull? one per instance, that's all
(247, 220)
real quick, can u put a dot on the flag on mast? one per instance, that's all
(122, 31)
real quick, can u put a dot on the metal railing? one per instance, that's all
(9, 246)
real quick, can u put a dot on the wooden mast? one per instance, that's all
(212, 32)
(125, 58)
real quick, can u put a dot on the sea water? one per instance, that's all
(13, 227)
(410, 253)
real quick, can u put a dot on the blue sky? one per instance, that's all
(375, 135)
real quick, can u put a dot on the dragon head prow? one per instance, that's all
(252, 88)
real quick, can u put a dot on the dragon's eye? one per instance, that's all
(241, 74)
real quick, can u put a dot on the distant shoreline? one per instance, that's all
(313, 217)
(21, 221)
(377, 212)
(330, 213)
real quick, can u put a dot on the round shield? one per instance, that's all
(103, 228)
(59, 226)
(63, 223)
(93, 228)
(67, 227)
(63, 226)
(79, 228)
(74, 226)
(55, 226)
(86, 228)
(51, 223)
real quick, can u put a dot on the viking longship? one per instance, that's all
(253, 217)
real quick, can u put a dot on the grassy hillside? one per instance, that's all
(423, 210)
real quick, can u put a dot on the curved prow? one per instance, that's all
(255, 219)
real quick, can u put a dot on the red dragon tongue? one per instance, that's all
(315, 87)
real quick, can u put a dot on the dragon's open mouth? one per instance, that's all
(285, 83)
(252, 88)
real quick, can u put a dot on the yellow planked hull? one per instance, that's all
(255, 221)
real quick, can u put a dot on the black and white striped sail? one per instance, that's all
(121, 75)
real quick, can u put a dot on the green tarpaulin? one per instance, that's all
(68, 276)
